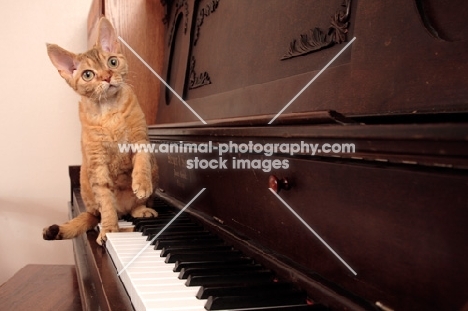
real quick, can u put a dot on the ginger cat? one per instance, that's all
(113, 184)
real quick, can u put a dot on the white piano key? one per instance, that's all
(149, 281)
(122, 224)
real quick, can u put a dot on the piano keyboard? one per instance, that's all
(188, 268)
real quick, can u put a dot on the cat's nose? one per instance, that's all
(107, 77)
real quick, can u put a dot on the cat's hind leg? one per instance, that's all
(75, 227)
(130, 205)
(141, 211)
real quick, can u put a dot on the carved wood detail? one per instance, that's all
(197, 80)
(202, 79)
(180, 6)
(204, 12)
(167, 10)
(317, 39)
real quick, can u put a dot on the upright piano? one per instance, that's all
(383, 226)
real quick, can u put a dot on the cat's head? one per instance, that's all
(98, 73)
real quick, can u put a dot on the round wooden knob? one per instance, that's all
(278, 184)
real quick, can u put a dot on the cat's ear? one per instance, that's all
(107, 39)
(65, 62)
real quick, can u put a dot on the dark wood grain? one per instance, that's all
(100, 287)
(394, 66)
(140, 24)
(395, 210)
(41, 287)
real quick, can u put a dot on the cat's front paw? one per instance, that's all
(102, 238)
(142, 188)
(51, 233)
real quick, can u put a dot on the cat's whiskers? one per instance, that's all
(128, 85)
(103, 93)
(95, 95)
(134, 73)
(131, 76)
(100, 91)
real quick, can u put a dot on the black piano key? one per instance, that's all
(179, 229)
(139, 223)
(158, 227)
(161, 224)
(147, 230)
(203, 240)
(246, 278)
(161, 218)
(179, 265)
(196, 256)
(143, 220)
(178, 235)
(226, 269)
(266, 300)
(215, 250)
(197, 248)
(175, 232)
(270, 288)
(193, 267)
(229, 280)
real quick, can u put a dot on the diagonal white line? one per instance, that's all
(313, 231)
(159, 233)
(311, 81)
(162, 80)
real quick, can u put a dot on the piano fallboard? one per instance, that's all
(394, 211)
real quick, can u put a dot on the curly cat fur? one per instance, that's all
(113, 184)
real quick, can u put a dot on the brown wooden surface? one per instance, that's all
(140, 24)
(319, 290)
(41, 288)
(396, 64)
(100, 287)
(401, 193)
(395, 210)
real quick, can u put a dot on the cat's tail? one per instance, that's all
(75, 227)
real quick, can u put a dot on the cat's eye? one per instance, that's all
(113, 62)
(87, 75)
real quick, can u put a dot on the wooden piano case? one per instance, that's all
(396, 209)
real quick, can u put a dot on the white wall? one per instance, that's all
(39, 129)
